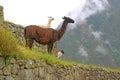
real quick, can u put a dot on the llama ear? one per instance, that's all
(62, 51)
(52, 18)
(63, 17)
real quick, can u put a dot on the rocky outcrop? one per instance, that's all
(40, 70)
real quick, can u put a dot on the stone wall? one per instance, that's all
(40, 70)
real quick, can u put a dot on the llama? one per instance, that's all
(60, 53)
(45, 36)
(50, 19)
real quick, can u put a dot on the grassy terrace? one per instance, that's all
(10, 48)
(26, 54)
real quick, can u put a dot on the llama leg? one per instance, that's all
(49, 47)
(30, 43)
(26, 45)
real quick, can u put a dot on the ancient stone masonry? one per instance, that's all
(40, 70)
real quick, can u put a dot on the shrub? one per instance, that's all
(8, 43)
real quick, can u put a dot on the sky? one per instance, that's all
(36, 12)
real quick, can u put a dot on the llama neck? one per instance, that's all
(49, 23)
(62, 30)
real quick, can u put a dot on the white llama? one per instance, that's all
(50, 19)
(60, 53)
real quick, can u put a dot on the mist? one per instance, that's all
(91, 7)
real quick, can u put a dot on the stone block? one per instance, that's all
(2, 62)
(9, 78)
(7, 70)
(26, 74)
(14, 69)
(2, 77)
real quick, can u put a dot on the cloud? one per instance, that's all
(100, 49)
(82, 52)
(90, 7)
(110, 46)
(97, 34)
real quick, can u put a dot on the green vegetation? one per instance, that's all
(25, 53)
(10, 48)
(8, 43)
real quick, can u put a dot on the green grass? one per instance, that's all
(25, 53)
(21, 52)
(8, 42)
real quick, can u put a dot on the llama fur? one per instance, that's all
(50, 19)
(60, 53)
(45, 36)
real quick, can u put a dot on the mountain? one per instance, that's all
(96, 39)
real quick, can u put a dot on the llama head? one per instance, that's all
(69, 20)
(50, 18)
(60, 53)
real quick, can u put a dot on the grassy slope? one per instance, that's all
(24, 53)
